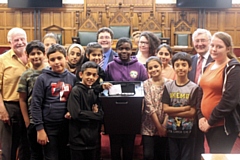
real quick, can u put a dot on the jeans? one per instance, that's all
(57, 147)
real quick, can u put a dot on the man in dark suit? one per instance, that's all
(201, 42)
(105, 39)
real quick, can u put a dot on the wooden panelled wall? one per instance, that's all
(71, 16)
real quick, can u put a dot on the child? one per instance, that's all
(94, 53)
(75, 54)
(164, 52)
(124, 68)
(36, 53)
(154, 119)
(50, 94)
(86, 115)
(179, 102)
(48, 40)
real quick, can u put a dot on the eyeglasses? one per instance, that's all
(200, 40)
(142, 42)
(104, 37)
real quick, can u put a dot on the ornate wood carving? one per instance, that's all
(182, 26)
(151, 24)
(89, 25)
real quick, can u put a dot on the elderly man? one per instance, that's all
(12, 65)
(201, 42)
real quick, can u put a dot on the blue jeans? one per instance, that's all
(155, 148)
(57, 148)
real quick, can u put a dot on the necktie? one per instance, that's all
(199, 69)
(101, 64)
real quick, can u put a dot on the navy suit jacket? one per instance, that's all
(192, 73)
(112, 55)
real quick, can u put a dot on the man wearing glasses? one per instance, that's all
(201, 42)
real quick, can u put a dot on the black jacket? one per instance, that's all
(229, 106)
(97, 85)
(84, 124)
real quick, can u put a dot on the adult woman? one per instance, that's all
(219, 112)
(147, 46)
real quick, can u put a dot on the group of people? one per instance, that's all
(50, 107)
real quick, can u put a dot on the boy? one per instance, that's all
(105, 39)
(94, 53)
(48, 105)
(179, 102)
(36, 53)
(86, 115)
(124, 68)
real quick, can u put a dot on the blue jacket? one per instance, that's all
(50, 94)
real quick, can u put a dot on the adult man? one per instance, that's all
(12, 65)
(201, 42)
(105, 39)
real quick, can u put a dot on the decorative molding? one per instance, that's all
(117, 5)
(89, 25)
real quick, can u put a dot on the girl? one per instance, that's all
(147, 46)
(48, 40)
(124, 68)
(75, 53)
(164, 52)
(219, 109)
(154, 119)
(94, 52)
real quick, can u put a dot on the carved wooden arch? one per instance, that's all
(56, 30)
(120, 18)
(89, 25)
(151, 24)
(182, 26)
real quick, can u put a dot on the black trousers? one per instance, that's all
(124, 143)
(198, 146)
(155, 148)
(83, 154)
(218, 141)
(14, 135)
(35, 147)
